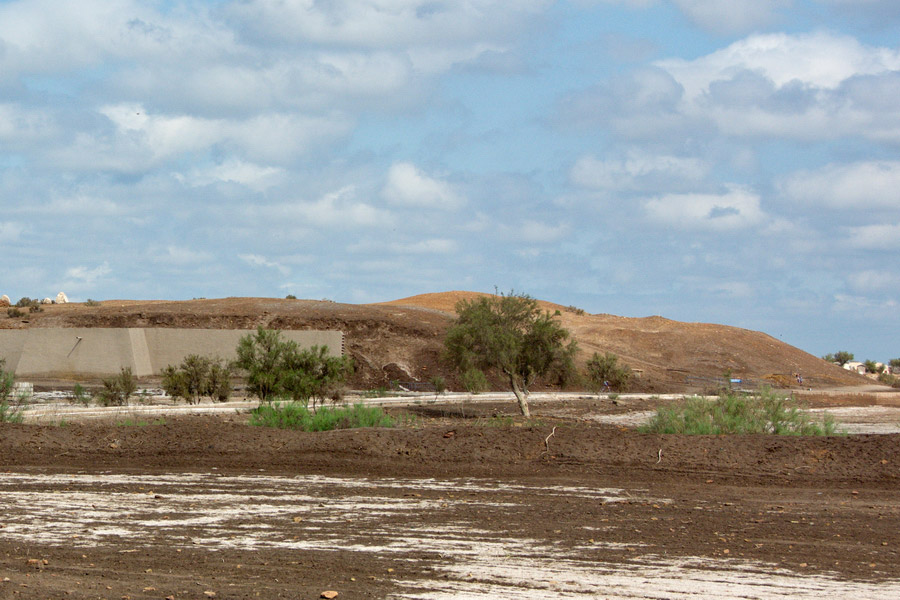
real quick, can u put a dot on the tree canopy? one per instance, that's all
(510, 334)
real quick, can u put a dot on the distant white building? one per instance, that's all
(857, 366)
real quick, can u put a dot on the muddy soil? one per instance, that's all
(461, 502)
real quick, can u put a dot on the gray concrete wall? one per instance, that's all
(99, 352)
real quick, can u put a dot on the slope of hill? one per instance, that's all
(402, 340)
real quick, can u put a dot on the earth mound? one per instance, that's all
(402, 340)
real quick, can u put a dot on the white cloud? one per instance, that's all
(86, 275)
(875, 280)
(408, 186)
(736, 209)
(408, 24)
(733, 16)
(178, 255)
(537, 232)
(255, 260)
(820, 60)
(337, 208)
(861, 185)
(234, 170)
(636, 171)
(875, 237)
(10, 231)
(428, 246)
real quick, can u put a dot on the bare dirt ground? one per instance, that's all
(464, 501)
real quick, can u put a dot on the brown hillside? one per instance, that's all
(402, 340)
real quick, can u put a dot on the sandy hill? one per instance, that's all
(402, 339)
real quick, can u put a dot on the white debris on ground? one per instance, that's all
(202, 510)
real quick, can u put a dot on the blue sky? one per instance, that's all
(732, 162)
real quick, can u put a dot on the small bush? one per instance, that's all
(576, 310)
(296, 415)
(118, 388)
(605, 373)
(439, 383)
(474, 381)
(290, 297)
(13, 312)
(766, 412)
(198, 377)
(11, 409)
(90, 302)
(81, 395)
(888, 379)
(26, 302)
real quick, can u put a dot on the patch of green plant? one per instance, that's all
(13, 312)
(11, 409)
(379, 392)
(277, 367)
(81, 396)
(118, 388)
(888, 379)
(733, 413)
(604, 373)
(26, 302)
(92, 302)
(290, 297)
(576, 310)
(198, 377)
(439, 383)
(296, 415)
(474, 381)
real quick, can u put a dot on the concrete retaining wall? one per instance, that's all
(100, 352)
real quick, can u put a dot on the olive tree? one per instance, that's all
(510, 334)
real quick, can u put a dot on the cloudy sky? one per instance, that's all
(733, 162)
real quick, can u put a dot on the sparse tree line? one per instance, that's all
(506, 335)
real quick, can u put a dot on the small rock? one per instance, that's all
(61, 298)
(329, 594)
(4, 300)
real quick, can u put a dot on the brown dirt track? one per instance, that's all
(467, 502)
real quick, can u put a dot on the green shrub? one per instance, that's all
(118, 388)
(474, 381)
(439, 383)
(81, 395)
(26, 302)
(11, 409)
(604, 370)
(296, 415)
(888, 379)
(13, 312)
(290, 297)
(198, 377)
(732, 413)
(279, 368)
(91, 302)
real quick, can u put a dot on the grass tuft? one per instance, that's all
(764, 412)
(294, 415)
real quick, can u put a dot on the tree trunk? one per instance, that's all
(520, 397)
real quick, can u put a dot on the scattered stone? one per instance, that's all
(329, 594)
(4, 300)
(46, 301)
(61, 298)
